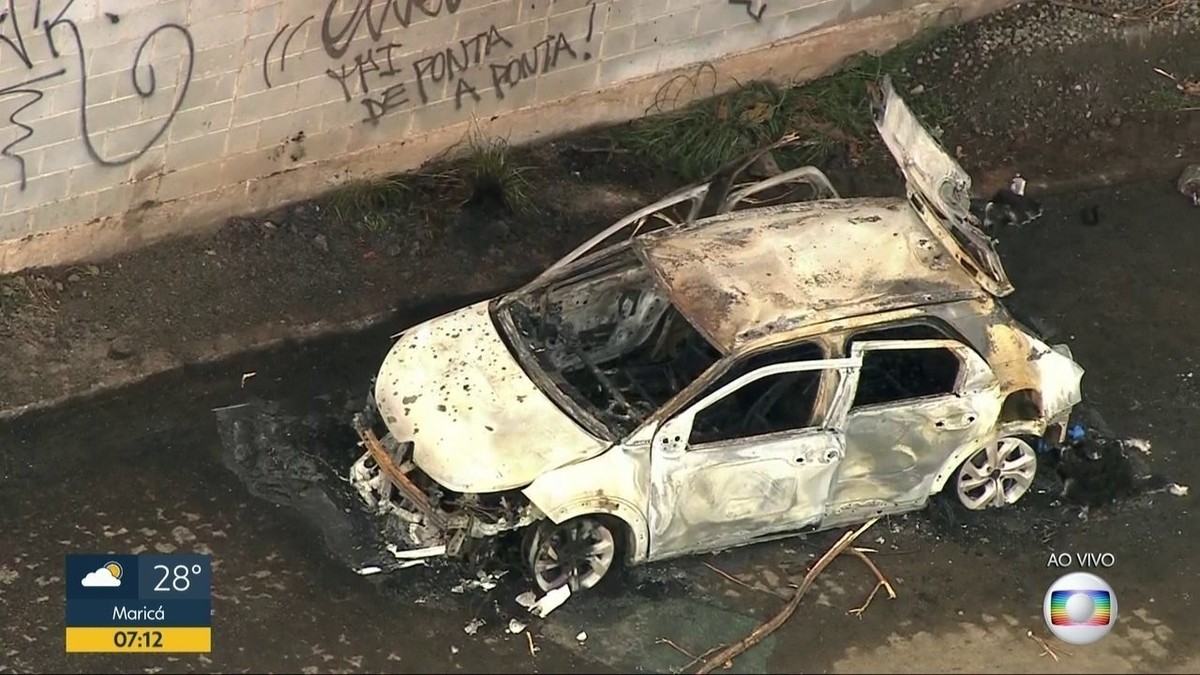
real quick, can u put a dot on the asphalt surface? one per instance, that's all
(150, 469)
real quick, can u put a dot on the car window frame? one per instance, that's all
(824, 365)
(954, 346)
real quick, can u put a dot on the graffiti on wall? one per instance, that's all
(38, 38)
(383, 77)
(755, 8)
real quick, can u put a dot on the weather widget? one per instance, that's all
(139, 603)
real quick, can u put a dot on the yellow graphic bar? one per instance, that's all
(139, 639)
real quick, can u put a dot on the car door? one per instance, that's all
(916, 402)
(713, 488)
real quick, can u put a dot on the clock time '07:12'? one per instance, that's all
(133, 638)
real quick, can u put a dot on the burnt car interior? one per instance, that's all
(780, 402)
(611, 340)
(892, 375)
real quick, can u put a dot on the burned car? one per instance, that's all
(716, 370)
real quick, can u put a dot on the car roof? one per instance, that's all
(747, 274)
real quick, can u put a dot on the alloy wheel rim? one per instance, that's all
(999, 474)
(577, 555)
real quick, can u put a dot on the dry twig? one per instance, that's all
(739, 582)
(858, 611)
(701, 657)
(532, 649)
(881, 582)
(681, 650)
(729, 653)
(1045, 646)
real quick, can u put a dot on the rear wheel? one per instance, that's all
(998, 474)
(579, 553)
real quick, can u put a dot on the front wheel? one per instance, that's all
(998, 474)
(578, 553)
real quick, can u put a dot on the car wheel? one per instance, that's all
(998, 474)
(579, 553)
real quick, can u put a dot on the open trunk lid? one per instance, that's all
(939, 189)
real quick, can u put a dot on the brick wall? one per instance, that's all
(115, 115)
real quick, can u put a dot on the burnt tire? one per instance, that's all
(583, 553)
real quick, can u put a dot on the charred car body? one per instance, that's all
(711, 372)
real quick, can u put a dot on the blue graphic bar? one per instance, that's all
(101, 613)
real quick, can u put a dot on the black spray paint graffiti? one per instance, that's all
(754, 8)
(337, 39)
(291, 33)
(145, 83)
(381, 82)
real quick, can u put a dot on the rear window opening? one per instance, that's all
(891, 375)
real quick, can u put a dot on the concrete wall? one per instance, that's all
(115, 115)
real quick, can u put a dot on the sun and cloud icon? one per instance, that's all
(108, 576)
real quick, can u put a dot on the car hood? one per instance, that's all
(478, 423)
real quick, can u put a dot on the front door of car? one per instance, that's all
(753, 458)
(915, 404)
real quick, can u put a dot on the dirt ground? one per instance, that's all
(1052, 92)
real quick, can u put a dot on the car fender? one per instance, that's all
(955, 460)
(612, 484)
(638, 540)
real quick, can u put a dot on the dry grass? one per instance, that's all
(27, 304)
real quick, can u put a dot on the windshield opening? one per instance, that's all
(608, 339)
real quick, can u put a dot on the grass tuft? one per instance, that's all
(1169, 100)
(369, 200)
(25, 303)
(489, 174)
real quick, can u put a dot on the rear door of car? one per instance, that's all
(939, 189)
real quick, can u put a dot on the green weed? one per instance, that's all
(368, 200)
(1167, 100)
(486, 168)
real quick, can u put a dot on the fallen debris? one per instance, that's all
(413, 554)
(370, 569)
(1140, 444)
(1094, 468)
(549, 602)
(247, 376)
(1177, 490)
(729, 653)
(484, 581)
(515, 626)
(582, 637)
(1189, 184)
(1008, 207)
(527, 600)
(532, 649)
(473, 626)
